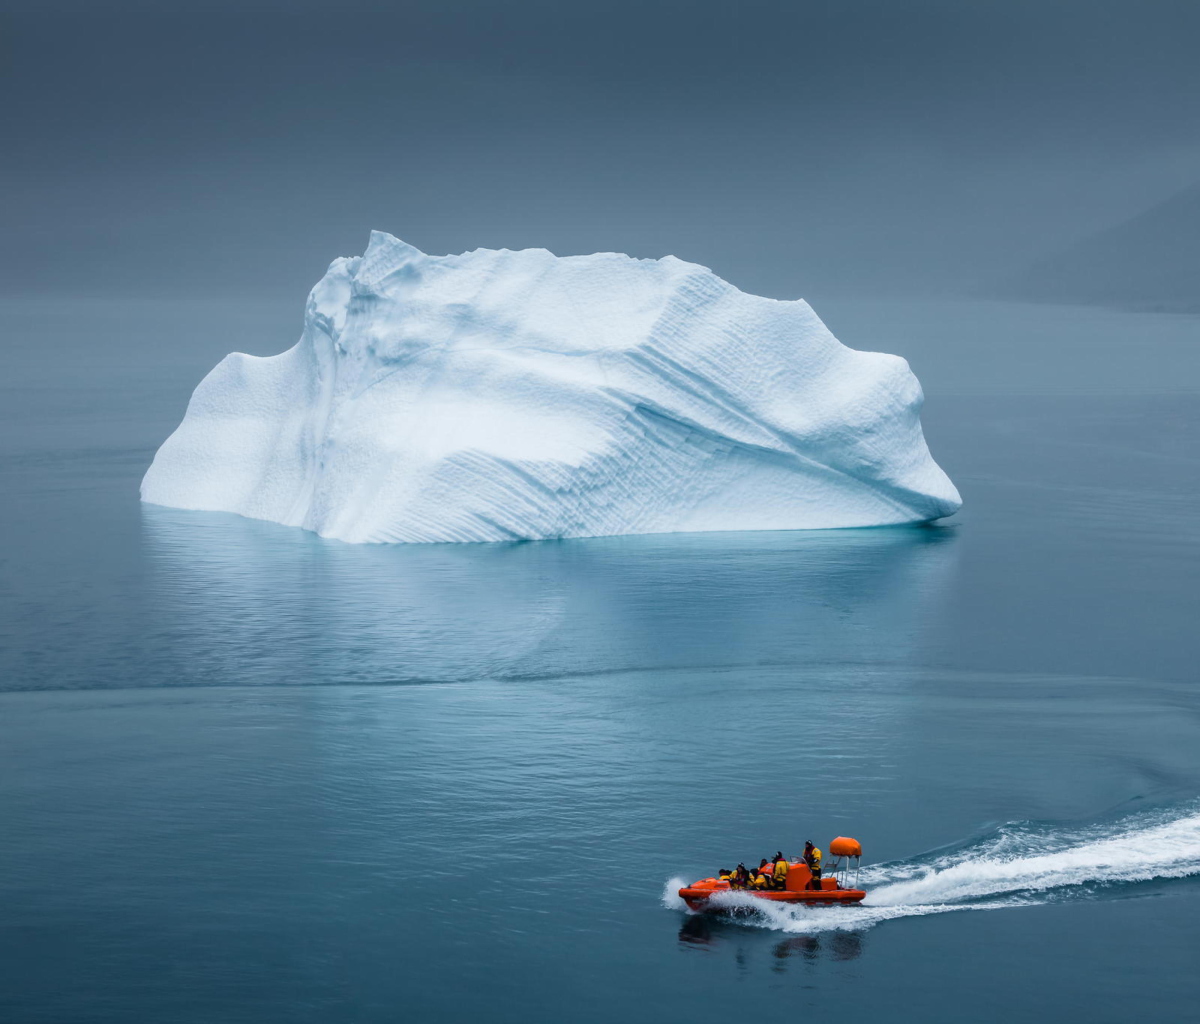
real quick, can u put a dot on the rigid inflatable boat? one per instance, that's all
(836, 889)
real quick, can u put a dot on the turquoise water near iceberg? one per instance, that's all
(248, 774)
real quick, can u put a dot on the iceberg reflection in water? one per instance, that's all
(247, 602)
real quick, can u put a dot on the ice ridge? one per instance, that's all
(499, 395)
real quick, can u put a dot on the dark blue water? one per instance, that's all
(250, 775)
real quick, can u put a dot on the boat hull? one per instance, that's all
(700, 898)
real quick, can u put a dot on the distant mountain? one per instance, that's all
(1149, 262)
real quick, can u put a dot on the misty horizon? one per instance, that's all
(797, 151)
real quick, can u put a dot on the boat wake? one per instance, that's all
(1020, 864)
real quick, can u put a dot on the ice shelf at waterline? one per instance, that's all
(498, 395)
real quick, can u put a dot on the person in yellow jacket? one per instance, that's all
(779, 875)
(758, 880)
(812, 857)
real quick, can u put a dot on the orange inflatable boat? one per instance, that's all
(835, 889)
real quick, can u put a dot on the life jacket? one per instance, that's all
(781, 868)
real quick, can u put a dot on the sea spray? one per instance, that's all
(670, 897)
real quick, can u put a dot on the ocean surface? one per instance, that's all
(249, 775)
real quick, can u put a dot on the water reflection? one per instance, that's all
(837, 945)
(701, 931)
(246, 601)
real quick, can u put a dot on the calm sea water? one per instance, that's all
(250, 775)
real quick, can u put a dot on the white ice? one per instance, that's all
(498, 395)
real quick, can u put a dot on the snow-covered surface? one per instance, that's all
(496, 395)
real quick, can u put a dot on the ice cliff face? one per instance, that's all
(498, 395)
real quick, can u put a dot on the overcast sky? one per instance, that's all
(794, 147)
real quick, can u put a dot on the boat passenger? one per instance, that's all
(812, 857)
(740, 879)
(780, 872)
(724, 875)
(758, 881)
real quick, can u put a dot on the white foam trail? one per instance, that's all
(1134, 851)
(1018, 866)
(810, 920)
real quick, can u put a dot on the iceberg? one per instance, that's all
(500, 395)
